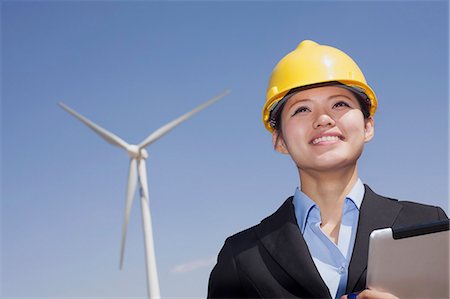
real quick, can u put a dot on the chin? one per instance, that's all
(328, 163)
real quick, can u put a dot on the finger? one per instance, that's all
(373, 294)
(352, 296)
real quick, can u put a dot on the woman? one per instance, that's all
(320, 110)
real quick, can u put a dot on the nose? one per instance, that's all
(323, 120)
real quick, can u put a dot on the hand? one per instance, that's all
(371, 294)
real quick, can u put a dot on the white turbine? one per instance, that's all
(138, 171)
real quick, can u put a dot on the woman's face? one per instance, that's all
(323, 129)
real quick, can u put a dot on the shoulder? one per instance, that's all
(410, 213)
(417, 213)
(242, 251)
(242, 240)
(249, 238)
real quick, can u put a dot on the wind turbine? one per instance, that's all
(138, 172)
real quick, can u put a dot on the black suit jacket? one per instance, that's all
(272, 260)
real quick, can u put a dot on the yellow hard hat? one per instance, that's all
(311, 63)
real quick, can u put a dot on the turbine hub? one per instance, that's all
(136, 153)
(144, 153)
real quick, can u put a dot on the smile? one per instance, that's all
(325, 138)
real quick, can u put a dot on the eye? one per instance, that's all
(301, 109)
(341, 104)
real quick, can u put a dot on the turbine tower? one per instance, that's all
(138, 173)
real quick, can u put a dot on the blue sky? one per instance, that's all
(133, 66)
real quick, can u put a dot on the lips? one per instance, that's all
(326, 138)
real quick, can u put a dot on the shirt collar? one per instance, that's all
(357, 194)
(303, 204)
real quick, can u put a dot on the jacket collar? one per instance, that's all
(376, 212)
(281, 236)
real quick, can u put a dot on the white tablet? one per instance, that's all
(410, 262)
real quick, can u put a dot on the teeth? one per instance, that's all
(325, 138)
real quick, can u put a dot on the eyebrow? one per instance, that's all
(309, 100)
(339, 95)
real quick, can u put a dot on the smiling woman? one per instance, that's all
(320, 111)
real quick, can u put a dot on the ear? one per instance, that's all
(369, 130)
(278, 142)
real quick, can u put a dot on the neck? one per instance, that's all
(329, 189)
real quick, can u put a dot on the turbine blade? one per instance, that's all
(108, 136)
(132, 180)
(168, 127)
(143, 177)
(152, 273)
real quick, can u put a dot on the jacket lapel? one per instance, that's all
(376, 212)
(281, 236)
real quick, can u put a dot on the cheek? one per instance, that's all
(294, 129)
(353, 122)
